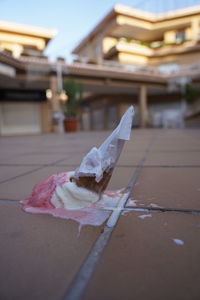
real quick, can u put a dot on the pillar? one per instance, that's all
(53, 87)
(106, 116)
(91, 118)
(55, 105)
(195, 29)
(46, 117)
(121, 109)
(143, 106)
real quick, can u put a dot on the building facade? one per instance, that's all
(165, 45)
(23, 80)
(131, 57)
(131, 36)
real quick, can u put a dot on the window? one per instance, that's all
(169, 68)
(180, 36)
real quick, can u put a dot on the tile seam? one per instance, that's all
(148, 209)
(121, 166)
(21, 175)
(29, 172)
(8, 200)
(160, 166)
(81, 279)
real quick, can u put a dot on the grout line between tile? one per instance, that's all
(21, 175)
(120, 165)
(31, 171)
(80, 282)
(23, 165)
(161, 166)
(175, 210)
(8, 200)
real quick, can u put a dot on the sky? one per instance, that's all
(74, 19)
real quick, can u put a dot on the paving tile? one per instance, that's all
(39, 254)
(72, 159)
(142, 261)
(8, 172)
(179, 140)
(130, 158)
(135, 146)
(120, 177)
(127, 158)
(34, 159)
(21, 187)
(173, 159)
(175, 146)
(177, 188)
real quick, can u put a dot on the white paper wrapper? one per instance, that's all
(105, 157)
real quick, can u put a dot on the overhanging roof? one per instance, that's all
(29, 30)
(151, 20)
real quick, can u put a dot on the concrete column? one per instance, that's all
(55, 105)
(99, 50)
(143, 106)
(195, 29)
(91, 118)
(45, 117)
(54, 100)
(121, 109)
(106, 107)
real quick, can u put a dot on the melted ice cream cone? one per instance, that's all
(82, 188)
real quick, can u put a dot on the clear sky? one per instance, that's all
(73, 18)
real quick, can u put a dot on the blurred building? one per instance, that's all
(164, 48)
(131, 36)
(24, 108)
(130, 57)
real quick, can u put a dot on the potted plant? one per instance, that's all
(190, 93)
(74, 92)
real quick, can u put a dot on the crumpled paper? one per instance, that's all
(100, 159)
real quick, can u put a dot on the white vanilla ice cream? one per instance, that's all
(70, 196)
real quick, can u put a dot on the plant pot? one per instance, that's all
(70, 124)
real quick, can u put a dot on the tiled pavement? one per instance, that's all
(151, 253)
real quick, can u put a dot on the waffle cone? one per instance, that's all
(91, 184)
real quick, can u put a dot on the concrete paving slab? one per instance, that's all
(145, 258)
(72, 159)
(173, 159)
(39, 254)
(181, 140)
(130, 158)
(121, 177)
(21, 187)
(134, 145)
(34, 159)
(150, 258)
(175, 188)
(8, 172)
(175, 146)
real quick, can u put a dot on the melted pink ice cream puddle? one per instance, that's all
(96, 214)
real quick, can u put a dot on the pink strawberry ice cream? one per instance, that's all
(52, 196)
(42, 192)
